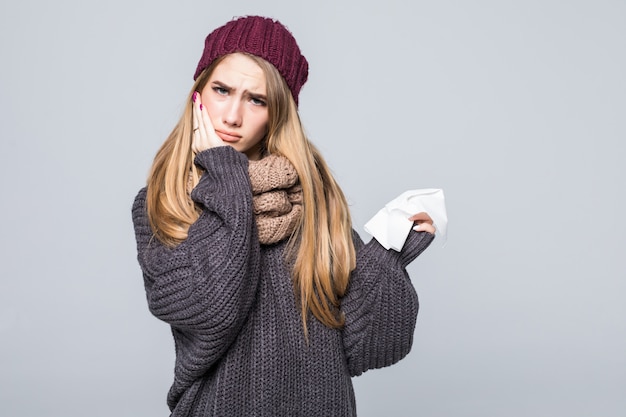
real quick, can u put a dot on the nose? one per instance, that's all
(233, 113)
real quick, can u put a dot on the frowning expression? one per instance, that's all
(235, 98)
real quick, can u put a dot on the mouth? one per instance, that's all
(228, 136)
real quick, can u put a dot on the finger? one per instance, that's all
(202, 125)
(203, 130)
(194, 125)
(421, 217)
(201, 133)
(425, 227)
(195, 117)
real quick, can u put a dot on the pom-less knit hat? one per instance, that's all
(263, 37)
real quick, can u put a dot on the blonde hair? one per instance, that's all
(321, 251)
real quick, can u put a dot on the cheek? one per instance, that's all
(261, 126)
(204, 96)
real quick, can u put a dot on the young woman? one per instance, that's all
(247, 249)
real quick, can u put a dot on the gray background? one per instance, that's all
(515, 108)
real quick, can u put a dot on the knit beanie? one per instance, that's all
(263, 37)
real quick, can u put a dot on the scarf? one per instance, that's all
(277, 197)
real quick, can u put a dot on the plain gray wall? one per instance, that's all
(516, 109)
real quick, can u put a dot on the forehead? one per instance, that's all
(240, 71)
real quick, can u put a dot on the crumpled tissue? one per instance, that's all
(391, 225)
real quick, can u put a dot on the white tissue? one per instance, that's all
(391, 225)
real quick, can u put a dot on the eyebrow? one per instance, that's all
(246, 92)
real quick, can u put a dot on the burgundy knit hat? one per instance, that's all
(263, 37)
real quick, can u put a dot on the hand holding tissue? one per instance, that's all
(391, 225)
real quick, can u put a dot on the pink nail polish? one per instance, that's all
(201, 107)
(195, 94)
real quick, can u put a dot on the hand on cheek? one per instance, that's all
(204, 136)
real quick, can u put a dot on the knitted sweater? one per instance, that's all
(239, 341)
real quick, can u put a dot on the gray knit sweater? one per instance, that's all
(240, 347)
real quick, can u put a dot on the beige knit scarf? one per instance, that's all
(277, 197)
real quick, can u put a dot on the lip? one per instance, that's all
(228, 136)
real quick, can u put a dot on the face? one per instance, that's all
(235, 98)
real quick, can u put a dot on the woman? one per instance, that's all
(247, 249)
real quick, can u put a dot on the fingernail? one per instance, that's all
(195, 94)
(201, 107)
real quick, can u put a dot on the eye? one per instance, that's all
(220, 90)
(257, 101)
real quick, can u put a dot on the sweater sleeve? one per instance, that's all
(205, 286)
(380, 305)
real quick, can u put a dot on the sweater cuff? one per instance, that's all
(220, 156)
(415, 244)
(225, 173)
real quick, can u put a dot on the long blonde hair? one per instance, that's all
(321, 250)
